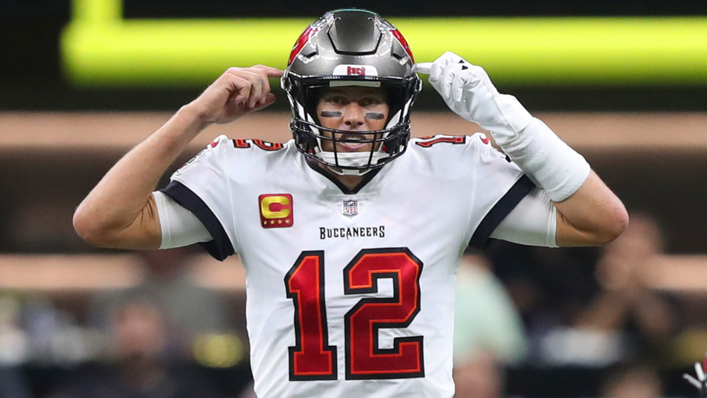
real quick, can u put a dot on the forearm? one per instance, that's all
(120, 211)
(123, 196)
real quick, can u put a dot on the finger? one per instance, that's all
(436, 72)
(481, 74)
(238, 87)
(449, 58)
(423, 67)
(256, 85)
(265, 82)
(441, 63)
(265, 72)
(258, 90)
(448, 75)
(270, 71)
(267, 100)
(459, 84)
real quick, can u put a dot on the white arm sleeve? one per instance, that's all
(180, 227)
(532, 222)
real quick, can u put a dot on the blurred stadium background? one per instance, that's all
(623, 81)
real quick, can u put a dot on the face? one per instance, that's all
(355, 109)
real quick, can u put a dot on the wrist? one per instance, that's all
(180, 130)
(192, 116)
(511, 118)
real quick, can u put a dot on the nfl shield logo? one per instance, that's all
(350, 208)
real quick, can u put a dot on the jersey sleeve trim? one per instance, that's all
(220, 247)
(503, 207)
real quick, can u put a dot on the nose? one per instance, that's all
(354, 115)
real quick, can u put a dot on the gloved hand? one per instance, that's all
(530, 144)
(468, 91)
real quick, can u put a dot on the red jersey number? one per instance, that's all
(427, 142)
(313, 359)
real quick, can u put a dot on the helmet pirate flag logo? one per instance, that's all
(301, 42)
(403, 42)
(276, 210)
(350, 208)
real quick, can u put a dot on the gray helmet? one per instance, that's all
(351, 47)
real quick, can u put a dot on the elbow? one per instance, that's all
(89, 229)
(605, 225)
(615, 223)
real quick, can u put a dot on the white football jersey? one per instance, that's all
(350, 293)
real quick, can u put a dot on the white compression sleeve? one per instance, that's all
(546, 159)
(532, 222)
(180, 227)
(543, 156)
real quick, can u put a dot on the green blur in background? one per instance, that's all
(100, 48)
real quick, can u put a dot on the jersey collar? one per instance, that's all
(331, 186)
(344, 189)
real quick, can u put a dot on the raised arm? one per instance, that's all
(588, 213)
(120, 212)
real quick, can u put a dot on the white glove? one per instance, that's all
(530, 144)
(700, 382)
(468, 91)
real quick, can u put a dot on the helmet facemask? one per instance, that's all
(373, 56)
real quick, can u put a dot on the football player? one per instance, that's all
(351, 233)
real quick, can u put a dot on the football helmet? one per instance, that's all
(351, 47)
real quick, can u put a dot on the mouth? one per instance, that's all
(349, 141)
(352, 145)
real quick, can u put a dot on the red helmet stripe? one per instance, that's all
(403, 42)
(303, 39)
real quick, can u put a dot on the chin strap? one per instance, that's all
(700, 382)
(350, 159)
(348, 172)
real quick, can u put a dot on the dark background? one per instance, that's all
(31, 78)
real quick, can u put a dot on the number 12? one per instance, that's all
(312, 358)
